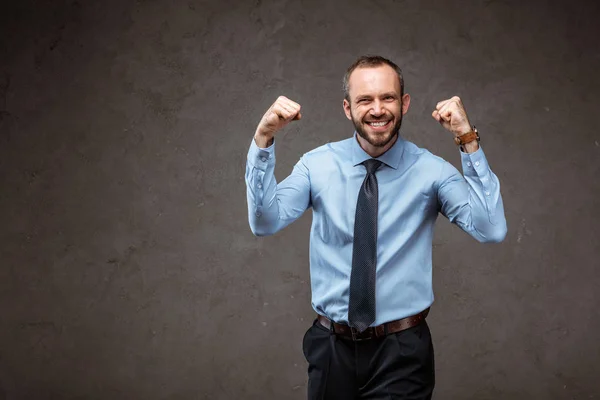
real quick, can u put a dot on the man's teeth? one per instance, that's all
(378, 123)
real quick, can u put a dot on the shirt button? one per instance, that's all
(263, 159)
(259, 186)
(487, 193)
(468, 164)
(477, 163)
(258, 214)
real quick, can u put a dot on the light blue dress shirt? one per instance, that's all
(414, 186)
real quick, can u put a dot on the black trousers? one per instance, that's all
(397, 366)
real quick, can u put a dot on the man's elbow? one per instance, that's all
(261, 231)
(496, 236)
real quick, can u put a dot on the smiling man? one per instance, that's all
(379, 103)
(375, 198)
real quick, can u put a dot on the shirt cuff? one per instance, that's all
(474, 164)
(261, 158)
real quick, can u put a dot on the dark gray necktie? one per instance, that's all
(361, 311)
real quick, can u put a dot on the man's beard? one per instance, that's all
(377, 140)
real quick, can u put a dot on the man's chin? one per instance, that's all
(377, 140)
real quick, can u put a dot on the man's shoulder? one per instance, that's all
(331, 148)
(421, 153)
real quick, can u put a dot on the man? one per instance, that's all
(375, 199)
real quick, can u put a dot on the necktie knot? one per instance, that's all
(372, 165)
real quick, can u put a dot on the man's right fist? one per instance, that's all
(281, 113)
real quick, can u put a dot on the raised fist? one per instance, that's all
(451, 115)
(281, 113)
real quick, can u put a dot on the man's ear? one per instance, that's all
(405, 103)
(347, 109)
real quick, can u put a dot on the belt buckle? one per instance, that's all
(359, 337)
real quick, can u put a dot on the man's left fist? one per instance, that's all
(452, 115)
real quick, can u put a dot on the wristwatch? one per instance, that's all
(467, 137)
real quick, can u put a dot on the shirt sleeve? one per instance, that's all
(272, 206)
(473, 201)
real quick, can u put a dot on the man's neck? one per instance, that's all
(375, 151)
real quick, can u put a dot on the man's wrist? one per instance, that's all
(470, 147)
(469, 140)
(263, 141)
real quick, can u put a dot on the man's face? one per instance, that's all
(375, 106)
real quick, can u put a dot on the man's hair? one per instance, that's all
(369, 62)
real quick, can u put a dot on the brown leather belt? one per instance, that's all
(373, 331)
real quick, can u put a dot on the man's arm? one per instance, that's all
(473, 201)
(272, 206)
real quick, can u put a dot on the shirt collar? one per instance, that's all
(391, 157)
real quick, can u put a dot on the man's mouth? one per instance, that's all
(378, 125)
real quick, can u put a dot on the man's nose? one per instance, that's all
(377, 109)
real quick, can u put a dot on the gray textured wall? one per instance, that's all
(128, 269)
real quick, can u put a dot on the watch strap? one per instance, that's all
(467, 137)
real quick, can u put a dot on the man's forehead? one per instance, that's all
(381, 77)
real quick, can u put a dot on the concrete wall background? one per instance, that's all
(128, 269)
